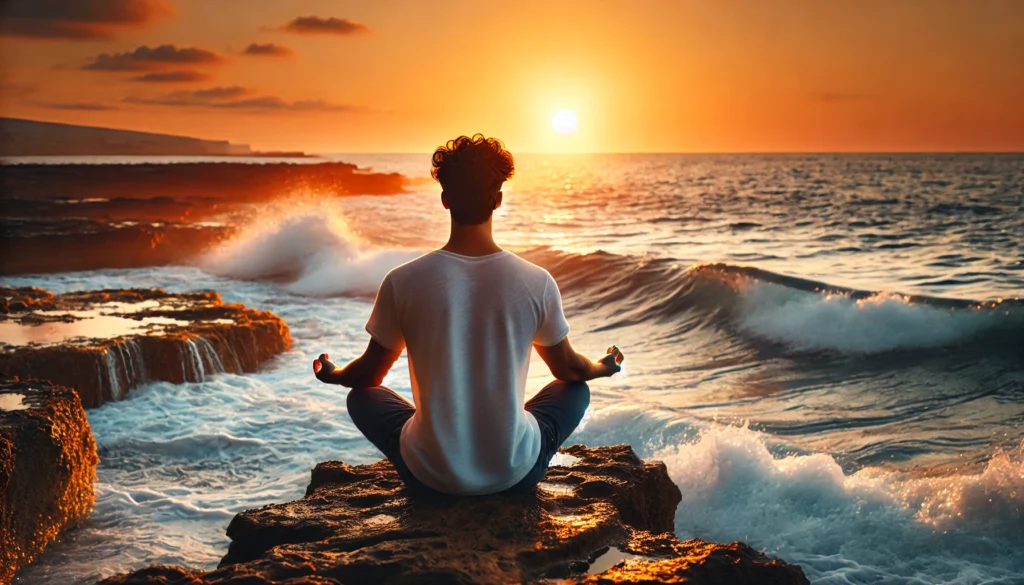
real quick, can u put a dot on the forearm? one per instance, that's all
(357, 374)
(583, 369)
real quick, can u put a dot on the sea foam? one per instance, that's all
(878, 323)
(870, 526)
(312, 250)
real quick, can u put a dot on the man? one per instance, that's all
(468, 315)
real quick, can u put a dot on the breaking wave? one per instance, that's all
(315, 253)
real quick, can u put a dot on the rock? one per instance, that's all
(47, 468)
(103, 343)
(358, 524)
(66, 217)
(221, 181)
(72, 244)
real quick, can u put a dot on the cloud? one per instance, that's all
(16, 89)
(330, 26)
(172, 77)
(145, 58)
(267, 49)
(232, 98)
(77, 106)
(76, 19)
(199, 97)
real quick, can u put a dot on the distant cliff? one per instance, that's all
(19, 137)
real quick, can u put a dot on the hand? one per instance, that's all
(324, 369)
(613, 360)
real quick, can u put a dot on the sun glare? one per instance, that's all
(564, 121)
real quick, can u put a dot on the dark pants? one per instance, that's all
(380, 413)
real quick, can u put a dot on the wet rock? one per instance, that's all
(103, 343)
(47, 468)
(358, 524)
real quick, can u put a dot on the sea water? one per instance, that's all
(826, 351)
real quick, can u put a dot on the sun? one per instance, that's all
(564, 121)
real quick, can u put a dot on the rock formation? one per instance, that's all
(103, 343)
(358, 524)
(47, 468)
(65, 217)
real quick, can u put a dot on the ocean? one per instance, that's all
(827, 351)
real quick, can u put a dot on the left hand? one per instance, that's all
(324, 368)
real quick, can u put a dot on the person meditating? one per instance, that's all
(468, 315)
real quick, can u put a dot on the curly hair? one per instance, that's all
(471, 171)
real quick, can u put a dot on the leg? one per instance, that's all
(380, 413)
(558, 407)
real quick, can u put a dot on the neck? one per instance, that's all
(471, 240)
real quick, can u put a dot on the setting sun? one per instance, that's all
(564, 121)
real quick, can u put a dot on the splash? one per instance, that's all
(870, 526)
(312, 250)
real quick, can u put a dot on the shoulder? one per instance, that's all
(410, 268)
(531, 273)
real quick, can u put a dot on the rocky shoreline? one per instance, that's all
(604, 516)
(104, 343)
(47, 468)
(67, 217)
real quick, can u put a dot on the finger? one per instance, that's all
(323, 357)
(317, 366)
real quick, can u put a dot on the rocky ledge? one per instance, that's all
(47, 467)
(103, 343)
(603, 517)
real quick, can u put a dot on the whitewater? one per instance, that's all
(826, 351)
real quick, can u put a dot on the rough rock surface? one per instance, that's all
(103, 343)
(47, 468)
(357, 524)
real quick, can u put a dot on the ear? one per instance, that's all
(497, 200)
(444, 200)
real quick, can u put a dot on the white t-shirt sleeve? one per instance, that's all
(383, 324)
(553, 327)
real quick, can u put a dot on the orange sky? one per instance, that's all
(403, 76)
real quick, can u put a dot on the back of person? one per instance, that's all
(469, 323)
(468, 315)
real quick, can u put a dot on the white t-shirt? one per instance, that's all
(469, 323)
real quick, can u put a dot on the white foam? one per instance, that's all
(313, 248)
(870, 526)
(882, 322)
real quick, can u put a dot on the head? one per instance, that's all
(471, 172)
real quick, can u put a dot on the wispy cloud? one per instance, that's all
(329, 26)
(172, 77)
(267, 50)
(233, 98)
(77, 106)
(146, 58)
(76, 19)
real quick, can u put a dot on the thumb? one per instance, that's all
(317, 366)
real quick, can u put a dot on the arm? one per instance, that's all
(365, 371)
(568, 365)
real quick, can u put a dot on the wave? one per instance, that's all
(313, 252)
(805, 509)
(760, 305)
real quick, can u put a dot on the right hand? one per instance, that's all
(613, 360)
(324, 368)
